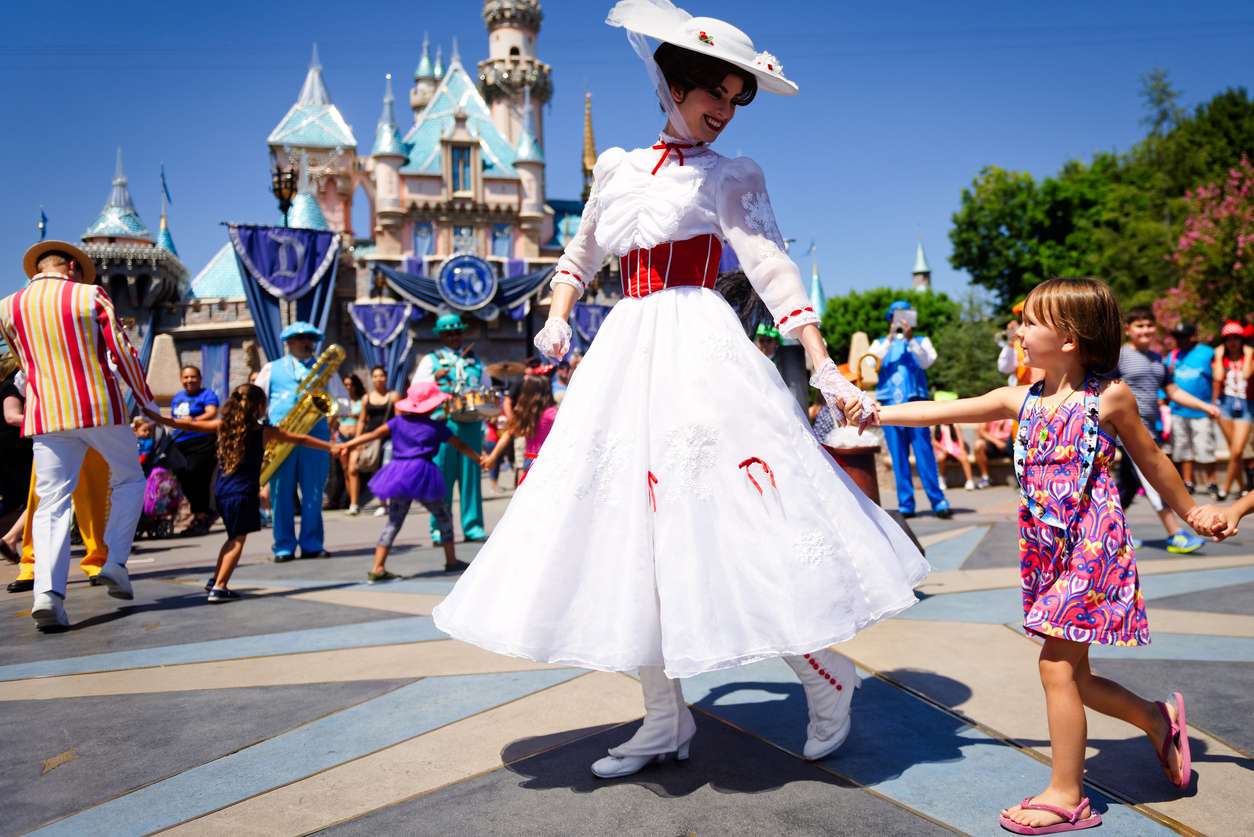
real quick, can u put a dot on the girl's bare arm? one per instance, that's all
(272, 432)
(1119, 409)
(369, 436)
(194, 425)
(1001, 403)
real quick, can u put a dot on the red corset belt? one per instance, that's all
(691, 262)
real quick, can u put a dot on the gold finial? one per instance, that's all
(589, 144)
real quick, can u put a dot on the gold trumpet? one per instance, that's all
(312, 404)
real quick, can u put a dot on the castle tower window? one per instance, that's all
(514, 52)
(464, 240)
(424, 239)
(502, 240)
(462, 181)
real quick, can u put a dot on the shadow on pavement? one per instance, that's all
(725, 759)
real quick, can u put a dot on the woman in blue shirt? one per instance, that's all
(198, 449)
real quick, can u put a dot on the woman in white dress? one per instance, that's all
(681, 518)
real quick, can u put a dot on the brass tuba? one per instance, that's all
(312, 403)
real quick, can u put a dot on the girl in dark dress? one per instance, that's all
(242, 437)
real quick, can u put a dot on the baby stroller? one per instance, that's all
(162, 493)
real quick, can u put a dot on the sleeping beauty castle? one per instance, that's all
(459, 217)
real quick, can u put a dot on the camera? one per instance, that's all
(903, 319)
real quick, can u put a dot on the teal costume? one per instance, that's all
(464, 371)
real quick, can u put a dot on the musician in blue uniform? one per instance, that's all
(904, 357)
(305, 468)
(455, 369)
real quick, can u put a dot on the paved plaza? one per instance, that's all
(321, 703)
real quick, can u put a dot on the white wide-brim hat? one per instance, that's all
(662, 20)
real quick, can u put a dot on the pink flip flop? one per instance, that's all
(1071, 819)
(1177, 736)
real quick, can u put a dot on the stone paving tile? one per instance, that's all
(1236, 598)
(733, 785)
(120, 745)
(162, 613)
(1219, 696)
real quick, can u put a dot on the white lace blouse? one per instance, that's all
(701, 192)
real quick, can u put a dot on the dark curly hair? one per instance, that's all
(245, 409)
(688, 70)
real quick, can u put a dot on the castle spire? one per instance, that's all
(424, 62)
(818, 298)
(528, 150)
(456, 56)
(314, 90)
(439, 62)
(118, 218)
(387, 139)
(922, 273)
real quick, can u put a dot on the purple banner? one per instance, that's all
(381, 322)
(288, 263)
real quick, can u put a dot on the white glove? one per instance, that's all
(554, 339)
(837, 389)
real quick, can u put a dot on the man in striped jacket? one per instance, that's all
(63, 330)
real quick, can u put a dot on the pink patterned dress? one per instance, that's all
(1076, 559)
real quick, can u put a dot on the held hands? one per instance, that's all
(1213, 521)
(849, 405)
(554, 339)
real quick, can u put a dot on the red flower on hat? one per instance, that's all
(704, 38)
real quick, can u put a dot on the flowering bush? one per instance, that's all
(1215, 254)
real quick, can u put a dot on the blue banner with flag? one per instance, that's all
(285, 265)
(383, 337)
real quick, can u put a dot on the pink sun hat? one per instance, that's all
(1232, 328)
(422, 397)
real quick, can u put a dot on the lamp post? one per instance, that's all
(283, 185)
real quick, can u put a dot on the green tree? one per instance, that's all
(865, 311)
(966, 351)
(1118, 216)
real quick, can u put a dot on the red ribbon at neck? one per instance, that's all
(666, 148)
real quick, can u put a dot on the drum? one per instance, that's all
(475, 404)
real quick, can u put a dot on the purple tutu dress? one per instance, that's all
(412, 473)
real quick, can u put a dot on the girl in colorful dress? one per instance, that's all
(679, 457)
(242, 437)
(411, 474)
(1079, 577)
(532, 418)
(1233, 369)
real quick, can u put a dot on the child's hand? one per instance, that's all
(1232, 519)
(336, 450)
(1211, 521)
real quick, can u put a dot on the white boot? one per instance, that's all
(48, 611)
(829, 680)
(668, 728)
(117, 580)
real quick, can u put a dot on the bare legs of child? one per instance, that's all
(1070, 686)
(228, 558)
(397, 510)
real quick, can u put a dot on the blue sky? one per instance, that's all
(900, 105)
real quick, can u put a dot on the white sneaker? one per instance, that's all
(48, 611)
(353, 511)
(943, 485)
(969, 485)
(117, 579)
(381, 511)
(829, 680)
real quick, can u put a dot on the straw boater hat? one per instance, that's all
(663, 21)
(30, 262)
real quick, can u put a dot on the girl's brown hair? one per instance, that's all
(243, 410)
(534, 398)
(1084, 310)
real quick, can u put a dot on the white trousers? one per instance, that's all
(58, 458)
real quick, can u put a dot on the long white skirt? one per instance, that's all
(640, 536)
